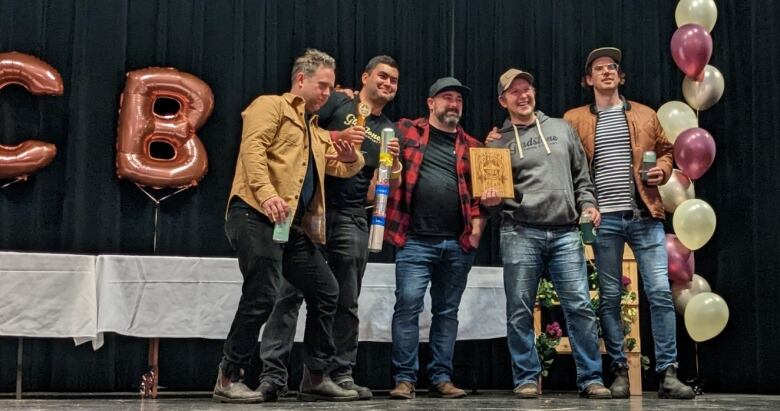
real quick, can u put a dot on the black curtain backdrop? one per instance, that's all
(245, 48)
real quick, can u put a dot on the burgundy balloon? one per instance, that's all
(691, 49)
(681, 263)
(694, 152)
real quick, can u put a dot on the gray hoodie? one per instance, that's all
(550, 171)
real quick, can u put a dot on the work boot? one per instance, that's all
(527, 390)
(670, 387)
(446, 389)
(269, 391)
(404, 390)
(319, 387)
(348, 384)
(596, 391)
(620, 387)
(227, 390)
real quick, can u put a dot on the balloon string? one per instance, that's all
(696, 356)
(157, 202)
(12, 182)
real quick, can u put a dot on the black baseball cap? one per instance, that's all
(448, 83)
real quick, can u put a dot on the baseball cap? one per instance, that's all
(509, 76)
(448, 83)
(611, 52)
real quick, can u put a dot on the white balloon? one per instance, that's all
(702, 12)
(702, 95)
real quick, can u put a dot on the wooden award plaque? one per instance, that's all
(491, 168)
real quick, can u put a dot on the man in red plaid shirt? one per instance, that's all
(436, 225)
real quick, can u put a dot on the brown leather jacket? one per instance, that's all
(646, 135)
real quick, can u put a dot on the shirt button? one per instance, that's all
(300, 181)
(296, 197)
(303, 164)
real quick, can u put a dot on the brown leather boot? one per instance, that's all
(596, 391)
(527, 390)
(446, 389)
(404, 390)
(227, 390)
(319, 387)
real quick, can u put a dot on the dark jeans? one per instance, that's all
(442, 264)
(347, 254)
(263, 263)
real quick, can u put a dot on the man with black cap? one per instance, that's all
(436, 225)
(616, 134)
(539, 233)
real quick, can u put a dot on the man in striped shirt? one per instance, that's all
(615, 133)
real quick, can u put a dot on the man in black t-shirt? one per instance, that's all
(347, 230)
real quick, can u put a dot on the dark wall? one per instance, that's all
(245, 48)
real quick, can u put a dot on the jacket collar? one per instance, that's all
(626, 106)
(299, 104)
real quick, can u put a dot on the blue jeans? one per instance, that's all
(442, 263)
(527, 252)
(645, 236)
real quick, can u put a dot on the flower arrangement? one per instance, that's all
(545, 346)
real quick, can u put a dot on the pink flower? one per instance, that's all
(554, 330)
(626, 281)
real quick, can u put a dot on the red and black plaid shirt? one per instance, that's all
(415, 139)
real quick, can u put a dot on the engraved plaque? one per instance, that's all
(491, 168)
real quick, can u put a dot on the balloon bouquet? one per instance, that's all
(694, 221)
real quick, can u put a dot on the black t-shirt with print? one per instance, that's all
(339, 113)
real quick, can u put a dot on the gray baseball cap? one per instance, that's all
(448, 83)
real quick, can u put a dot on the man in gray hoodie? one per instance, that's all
(539, 233)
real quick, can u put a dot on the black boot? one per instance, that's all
(620, 388)
(670, 387)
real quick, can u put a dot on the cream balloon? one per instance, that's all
(706, 316)
(694, 223)
(676, 117)
(678, 189)
(703, 94)
(682, 293)
(702, 12)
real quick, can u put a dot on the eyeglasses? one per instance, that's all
(606, 67)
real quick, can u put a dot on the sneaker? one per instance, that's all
(527, 390)
(348, 384)
(596, 391)
(404, 390)
(620, 388)
(234, 392)
(446, 389)
(325, 390)
(671, 387)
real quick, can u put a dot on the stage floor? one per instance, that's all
(486, 400)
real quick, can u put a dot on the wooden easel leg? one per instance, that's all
(149, 380)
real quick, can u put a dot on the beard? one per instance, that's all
(450, 117)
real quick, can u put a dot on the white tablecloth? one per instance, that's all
(48, 295)
(52, 295)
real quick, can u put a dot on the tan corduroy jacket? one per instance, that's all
(273, 158)
(646, 135)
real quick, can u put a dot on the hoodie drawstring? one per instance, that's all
(541, 135)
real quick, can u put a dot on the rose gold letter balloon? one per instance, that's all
(162, 107)
(37, 77)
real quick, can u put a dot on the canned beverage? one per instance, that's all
(587, 229)
(282, 229)
(648, 162)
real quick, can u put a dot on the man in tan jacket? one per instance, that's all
(282, 162)
(616, 134)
